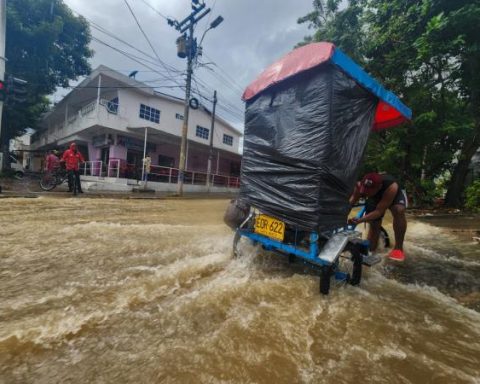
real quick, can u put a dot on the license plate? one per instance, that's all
(268, 226)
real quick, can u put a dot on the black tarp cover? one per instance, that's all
(303, 145)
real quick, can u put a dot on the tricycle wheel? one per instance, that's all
(325, 276)
(357, 260)
(235, 251)
(384, 238)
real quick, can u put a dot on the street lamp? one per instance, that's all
(214, 24)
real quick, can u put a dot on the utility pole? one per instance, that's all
(187, 48)
(186, 111)
(210, 153)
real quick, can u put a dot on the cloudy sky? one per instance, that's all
(254, 34)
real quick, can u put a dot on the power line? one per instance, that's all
(132, 57)
(103, 30)
(234, 113)
(208, 90)
(232, 81)
(146, 37)
(154, 9)
(127, 54)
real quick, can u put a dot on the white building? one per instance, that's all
(108, 114)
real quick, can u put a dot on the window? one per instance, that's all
(112, 106)
(202, 132)
(227, 139)
(166, 161)
(179, 116)
(149, 113)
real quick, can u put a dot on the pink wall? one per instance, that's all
(118, 152)
(93, 153)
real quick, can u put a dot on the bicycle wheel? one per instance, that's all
(48, 181)
(325, 276)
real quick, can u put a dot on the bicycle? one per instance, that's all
(51, 179)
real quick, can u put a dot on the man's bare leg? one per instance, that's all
(399, 225)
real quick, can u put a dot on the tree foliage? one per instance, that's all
(47, 45)
(428, 52)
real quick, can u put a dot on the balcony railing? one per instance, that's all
(119, 168)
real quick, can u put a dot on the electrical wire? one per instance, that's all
(231, 80)
(133, 57)
(130, 55)
(106, 32)
(207, 89)
(146, 37)
(154, 9)
(224, 106)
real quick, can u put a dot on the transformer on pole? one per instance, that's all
(187, 48)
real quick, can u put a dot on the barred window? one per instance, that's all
(179, 116)
(202, 132)
(149, 113)
(227, 139)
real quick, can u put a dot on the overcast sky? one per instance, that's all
(253, 35)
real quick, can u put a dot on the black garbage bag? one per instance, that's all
(304, 141)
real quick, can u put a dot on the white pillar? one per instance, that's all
(98, 91)
(144, 153)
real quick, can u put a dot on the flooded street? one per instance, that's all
(146, 291)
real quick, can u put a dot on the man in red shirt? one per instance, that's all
(73, 158)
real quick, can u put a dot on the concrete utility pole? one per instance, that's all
(187, 48)
(210, 153)
(3, 25)
(186, 111)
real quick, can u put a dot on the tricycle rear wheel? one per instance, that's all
(357, 260)
(325, 276)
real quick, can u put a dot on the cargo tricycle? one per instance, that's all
(307, 122)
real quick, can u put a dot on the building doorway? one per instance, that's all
(134, 164)
(105, 157)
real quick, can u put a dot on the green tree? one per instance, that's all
(453, 35)
(343, 27)
(427, 51)
(47, 45)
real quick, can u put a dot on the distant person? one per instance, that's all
(52, 162)
(147, 164)
(73, 158)
(382, 192)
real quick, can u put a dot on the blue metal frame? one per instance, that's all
(271, 244)
(355, 71)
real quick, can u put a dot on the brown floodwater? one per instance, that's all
(146, 291)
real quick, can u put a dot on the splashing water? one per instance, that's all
(118, 290)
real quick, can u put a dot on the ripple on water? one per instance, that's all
(122, 291)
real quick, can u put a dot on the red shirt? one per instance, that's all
(52, 162)
(72, 160)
